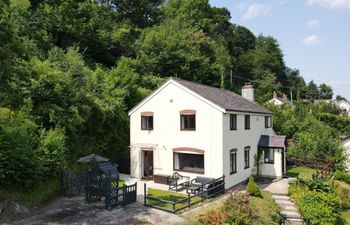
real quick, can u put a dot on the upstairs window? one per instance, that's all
(188, 120)
(147, 121)
(268, 121)
(246, 157)
(247, 122)
(233, 122)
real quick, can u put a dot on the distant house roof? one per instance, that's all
(344, 138)
(267, 141)
(228, 100)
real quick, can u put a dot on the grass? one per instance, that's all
(265, 208)
(302, 172)
(31, 198)
(168, 196)
(346, 216)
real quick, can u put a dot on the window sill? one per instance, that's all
(247, 167)
(246, 128)
(188, 130)
(233, 173)
(147, 129)
(189, 171)
(269, 162)
(233, 129)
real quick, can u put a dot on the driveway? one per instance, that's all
(77, 212)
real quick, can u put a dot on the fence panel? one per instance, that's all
(215, 187)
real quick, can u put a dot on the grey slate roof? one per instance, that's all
(228, 100)
(272, 141)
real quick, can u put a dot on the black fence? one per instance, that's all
(75, 183)
(214, 188)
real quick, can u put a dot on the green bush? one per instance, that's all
(342, 191)
(252, 188)
(343, 176)
(318, 207)
(51, 149)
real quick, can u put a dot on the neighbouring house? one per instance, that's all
(346, 145)
(277, 100)
(200, 130)
(343, 105)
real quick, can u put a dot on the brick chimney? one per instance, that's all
(274, 95)
(248, 92)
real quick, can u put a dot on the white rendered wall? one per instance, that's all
(346, 146)
(167, 135)
(239, 139)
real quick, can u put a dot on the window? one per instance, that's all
(193, 163)
(188, 122)
(246, 157)
(233, 161)
(247, 122)
(268, 121)
(146, 122)
(233, 122)
(269, 155)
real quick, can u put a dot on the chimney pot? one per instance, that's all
(274, 95)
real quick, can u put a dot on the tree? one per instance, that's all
(265, 86)
(312, 91)
(325, 91)
(339, 98)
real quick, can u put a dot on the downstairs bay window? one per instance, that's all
(187, 162)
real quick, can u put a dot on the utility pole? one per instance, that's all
(231, 81)
(291, 98)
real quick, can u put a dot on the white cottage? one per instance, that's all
(346, 146)
(198, 130)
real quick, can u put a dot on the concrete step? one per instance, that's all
(293, 214)
(284, 202)
(288, 208)
(281, 197)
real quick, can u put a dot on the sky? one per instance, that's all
(313, 34)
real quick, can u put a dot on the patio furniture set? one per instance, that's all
(178, 182)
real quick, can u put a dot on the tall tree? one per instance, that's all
(312, 91)
(325, 91)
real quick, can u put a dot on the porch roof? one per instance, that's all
(267, 141)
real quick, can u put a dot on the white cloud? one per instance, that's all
(331, 4)
(311, 40)
(255, 10)
(312, 23)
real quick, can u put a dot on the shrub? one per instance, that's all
(342, 191)
(343, 176)
(318, 207)
(252, 188)
(51, 149)
(238, 210)
(212, 218)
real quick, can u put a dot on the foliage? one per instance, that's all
(317, 207)
(342, 176)
(252, 188)
(240, 208)
(43, 193)
(18, 162)
(340, 123)
(325, 91)
(342, 191)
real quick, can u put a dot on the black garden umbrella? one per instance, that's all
(93, 158)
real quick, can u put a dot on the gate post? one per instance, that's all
(144, 194)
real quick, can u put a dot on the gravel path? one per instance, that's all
(76, 212)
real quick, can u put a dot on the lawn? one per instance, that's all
(302, 172)
(267, 211)
(168, 196)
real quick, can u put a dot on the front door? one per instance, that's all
(148, 165)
